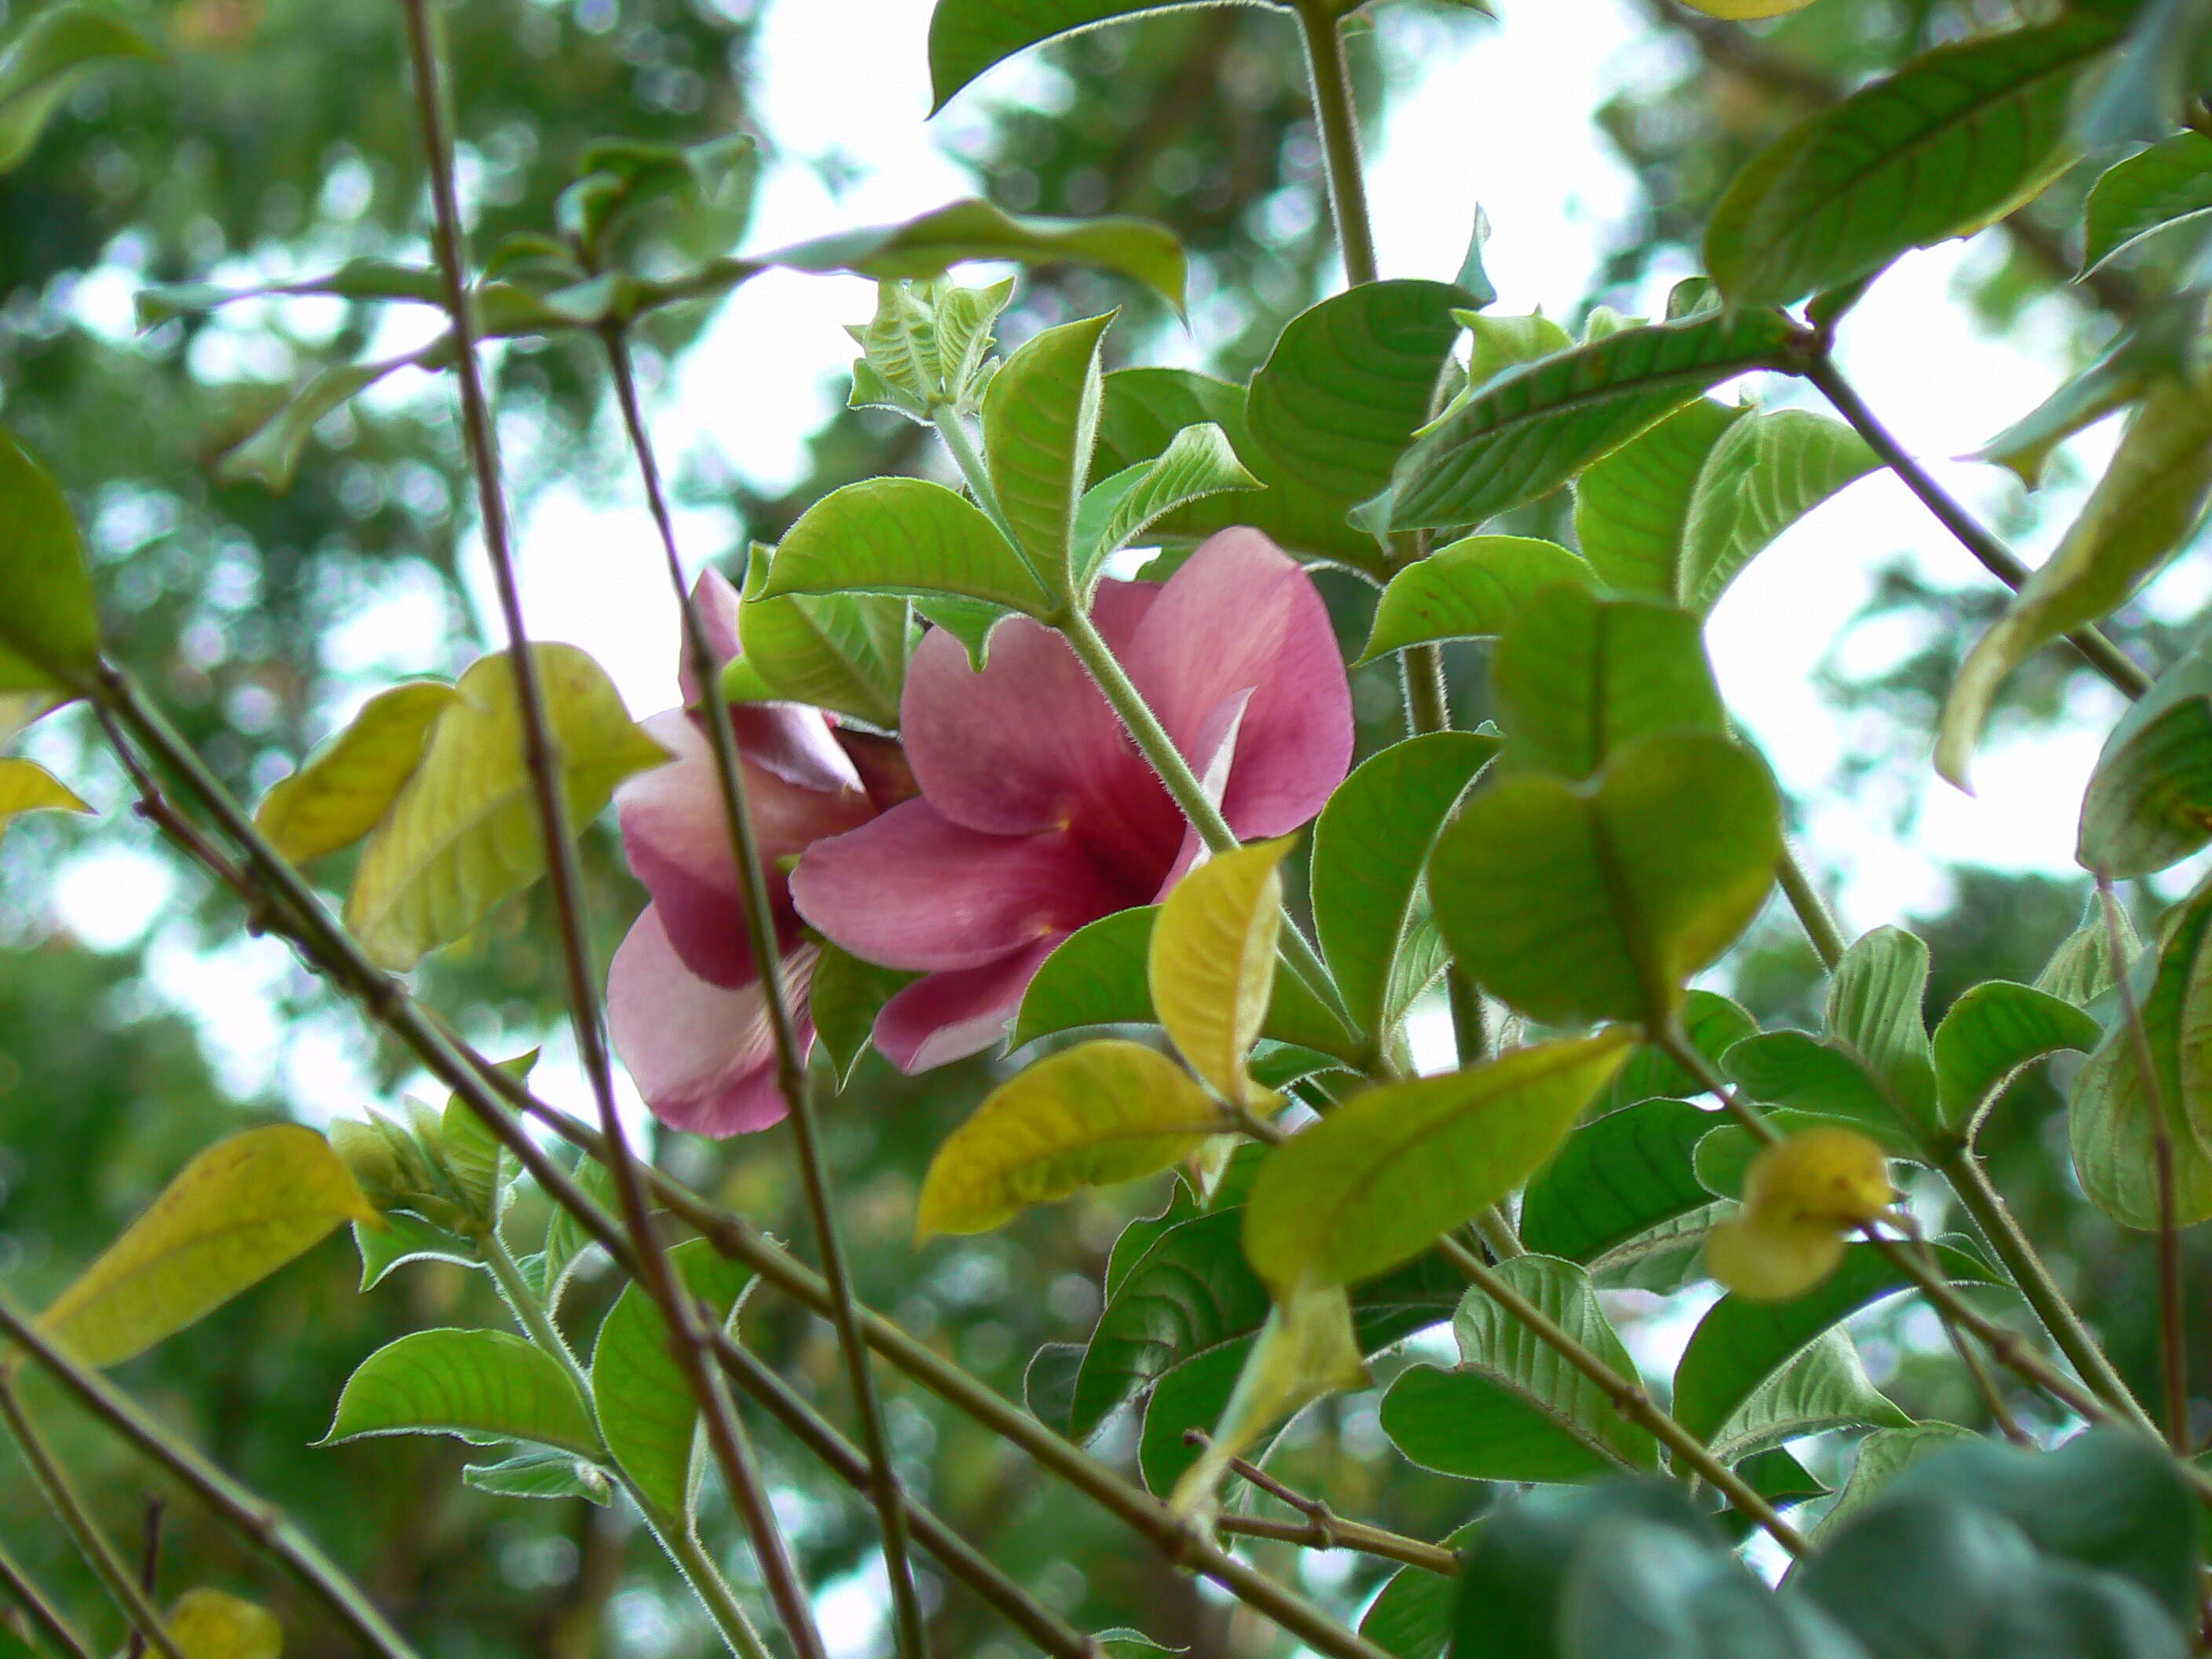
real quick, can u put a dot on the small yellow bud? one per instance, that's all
(1833, 1176)
(1764, 1261)
(1741, 10)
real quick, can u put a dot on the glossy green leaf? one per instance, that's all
(844, 998)
(404, 1239)
(1713, 1024)
(27, 787)
(1882, 1456)
(1875, 1015)
(1198, 462)
(1391, 1170)
(1096, 976)
(344, 788)
(967, 37)
(1825, 1387)
(846, 651)
(1632, 508)
(1513, 1409)
(1956, 139)
(1584, 903)
(1473, 589)
(1616, 1177)
(646, 1408)
(1992, 1034)
(463, 835)
(1039, 426)
(2168, 184)
(1370, 849)
(1211, 964)
(1351, 380)
(480, 1385)
(1739, 1344)
(1578, 678)
(57, 50)
(1104, 1112)
(2149, 501)
(49, 628)
(231, 1217)
(540, 1474)
(1529, 431)
(900, 536)
(2149, 802)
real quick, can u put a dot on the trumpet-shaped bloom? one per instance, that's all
(684, 1002)
(1037, 814)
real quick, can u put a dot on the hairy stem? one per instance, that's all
(2099, 653)
(1329, 78)
(542, 758)
(1812, 911)
(41, 1609)
(100, 1554)
(790, 1054)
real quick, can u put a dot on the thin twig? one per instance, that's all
(41, 1609)
(542, 758)
(100, 1554)
(149, 1572)
(790, 1054)
(1323, 1528)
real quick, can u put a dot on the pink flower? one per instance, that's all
(683, 996)
(1037, 814)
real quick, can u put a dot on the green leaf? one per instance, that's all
(1048, 1383)
(1739, 1344)
(345, 787)
(846, 996)
(1632, 508)
(1577, 902)
(902, 535)
(1210, 965)
(1882, 1456)
(927, 347)
(404, 1239)
(1654, 1591)
(967, 37)
(356, 279)
(1616, 1177)
(271, 455)
(1497, 344)
(646, 1410)
(1990, 1036)
(1105, 1112)
(1953, 141)
(540, 1474)
(233, 1216)
(566, 1240)
(1530, 430)
(463, 835)
(1370, 848)
(2149, 802)
(49, 627)
(1578, 678)
(1096, 976)
(1390, 1171)
(27, 787)
(1875, 1015)
(1764, 474)
(2168, 184)
(1039, 426)
(479, 1385)
(1473, 589)
(1513, 1409)
(2146, 507)
(472, 1158)
(1198, 461)
(1801, 1073)
(57, 50)
(1351, 380)
(2154, 350)
(847, 652)
(1411, 1618)
(1824, 1388)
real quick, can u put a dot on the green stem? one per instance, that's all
(41, 1609)
(531, 1313)
(1980, 1199)
(952, 431)
(1813, 913)
(704, 1574)
(53, 1485)
(1428, 700)
(1993, 555)
(790, 1052)
(1329, 78)
(239, 1510)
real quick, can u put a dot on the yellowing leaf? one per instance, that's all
(1105, 1111)
(1739, 10)
(347, 786)
(463, 835)
(27, 787)
(1764, 1259)
(234, 1215)
(210, 1624)
(1388, 1172)
(1211, 963)
(1306, 1350)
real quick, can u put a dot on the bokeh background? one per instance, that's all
(139, 1023)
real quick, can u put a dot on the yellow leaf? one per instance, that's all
(209, 1624)
(1737, 11)
(463, 835)
(1213, 962)
(1102, 1112)
(234, 1215)
(1306, 1350)
(1762, 1259)
(27, 787)
(348, 783)
(19, 708)
(1829, 1176)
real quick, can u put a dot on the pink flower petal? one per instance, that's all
(677, 836)
(949, 1016)
(912, 889)
(716, 602)
(1240, 615)
(702, 1054)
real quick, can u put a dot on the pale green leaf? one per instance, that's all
(1633, 507)
(1764, 474)
(1472, 589)
(1211, 967)
(846, 651)
(1875, 1014)
(540, 1474)
(480, 1386)
(1039, 426)
(1198, 461)
(902, 535)
(1825, 1387)
(345, 787)
(271, 455)
(404, 1239)
(1992, 1034)
(27, 787)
